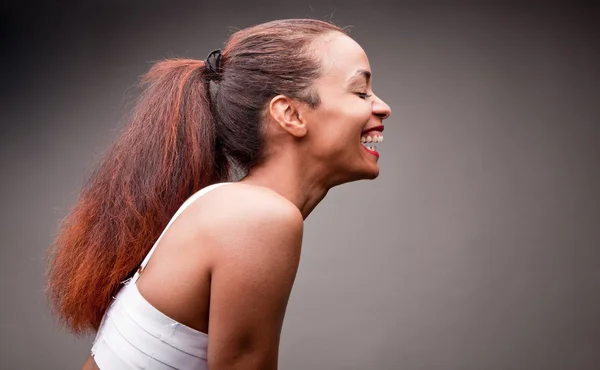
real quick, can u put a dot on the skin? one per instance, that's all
(227, 265)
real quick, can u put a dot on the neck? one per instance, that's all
(287, 175)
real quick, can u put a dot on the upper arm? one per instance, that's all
(255, 259)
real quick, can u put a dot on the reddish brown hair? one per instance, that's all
(184, 134)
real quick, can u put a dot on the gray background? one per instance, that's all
(476, 248)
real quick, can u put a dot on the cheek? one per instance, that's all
(349, 114)
(339, 125)
(357, 111)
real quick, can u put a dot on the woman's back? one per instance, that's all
(136, 334)
(160, 321)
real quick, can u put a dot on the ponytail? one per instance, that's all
(167, 152)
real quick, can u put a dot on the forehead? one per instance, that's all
(341, 56)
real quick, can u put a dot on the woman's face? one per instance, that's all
(348, 112)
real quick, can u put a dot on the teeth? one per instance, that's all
(371, 139)
(370, 147)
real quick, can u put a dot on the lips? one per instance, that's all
(370, 151)
(376, 128)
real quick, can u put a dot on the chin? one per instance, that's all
(371, 171)
(369, 174)
(373, 174)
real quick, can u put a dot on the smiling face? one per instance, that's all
(348, 108)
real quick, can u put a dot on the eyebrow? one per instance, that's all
(362, 72)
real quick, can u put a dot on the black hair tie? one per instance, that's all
(213, 65)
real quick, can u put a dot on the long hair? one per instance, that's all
(183, 135)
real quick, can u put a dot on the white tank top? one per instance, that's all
(135, 335)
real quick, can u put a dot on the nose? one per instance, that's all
(381, 109)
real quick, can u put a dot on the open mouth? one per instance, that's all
(369, 140)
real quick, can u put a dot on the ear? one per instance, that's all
(285, 112)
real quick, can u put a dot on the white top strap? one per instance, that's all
(185, 204)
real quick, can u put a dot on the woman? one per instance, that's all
(289, 105)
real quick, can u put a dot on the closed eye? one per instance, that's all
(363, 95)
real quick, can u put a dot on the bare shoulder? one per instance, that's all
(250, 205)
(251, 216)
